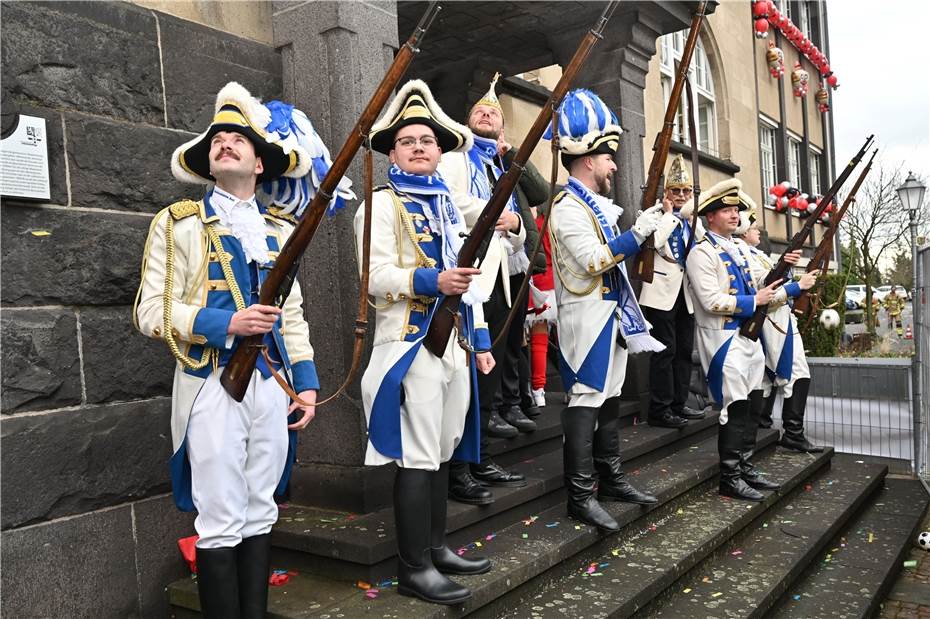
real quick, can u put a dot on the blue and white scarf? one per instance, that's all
(433, 195)
(633, 324)
(482, 154)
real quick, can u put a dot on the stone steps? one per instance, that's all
(747, 575)
(362, 547)
(529, 546)
(859, 566)
(636, 566)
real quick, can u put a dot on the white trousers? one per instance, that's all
(582, 395)
(237, 453)
(432, 416)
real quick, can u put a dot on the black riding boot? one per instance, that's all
(416, 574)
(612, 485)
(729, 446)
(254, 558)
(768, 405)
(750, 474)
(218, 583)
(578, 427)
(792, 419)
(442, 556)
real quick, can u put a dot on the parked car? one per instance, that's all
(856, 293)
(882, 291)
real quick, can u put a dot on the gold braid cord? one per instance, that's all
(168, 298)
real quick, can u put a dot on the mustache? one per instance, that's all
(225, 152)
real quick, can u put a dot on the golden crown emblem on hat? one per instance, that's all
(677, 174)
(490, 97)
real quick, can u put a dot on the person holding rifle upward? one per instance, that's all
(724, 293)
(599, 321)
(421, 408)
(786, 366)
(204, 264)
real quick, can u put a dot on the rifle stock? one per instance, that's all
(274, 291)
(752, 327)
(821, 259)
(644, 264)
(440, 328)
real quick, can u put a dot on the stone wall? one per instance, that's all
(87, 527)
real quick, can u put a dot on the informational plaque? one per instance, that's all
(24, 161)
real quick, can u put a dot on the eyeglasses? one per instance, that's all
(426, 141)
(680, 191)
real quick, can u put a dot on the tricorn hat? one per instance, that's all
(586, 126)
(723, 194)
(677, 175)
(414, 105)
(237, 110)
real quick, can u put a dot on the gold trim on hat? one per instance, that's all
(677, 175)
(235, 117)
(490, 97)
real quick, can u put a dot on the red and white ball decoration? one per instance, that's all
(782, 195)
(800, 80)
(765, 15)
(776, 61)
(823, 99)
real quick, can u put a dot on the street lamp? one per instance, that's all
(911, 194)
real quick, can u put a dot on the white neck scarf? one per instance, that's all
(244, 221)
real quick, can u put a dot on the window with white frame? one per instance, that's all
(794, 162)
(803, 21)
(767, 151)
(702, 84)
(815, 158)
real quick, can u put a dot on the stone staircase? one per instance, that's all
(828, 544)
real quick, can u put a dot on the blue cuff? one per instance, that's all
(623, 246)
(304, 375)
(793, 289)
(426, 282)
(213, 324)
(482, 339)
(745, 305)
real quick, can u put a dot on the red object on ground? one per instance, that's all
(188, 548)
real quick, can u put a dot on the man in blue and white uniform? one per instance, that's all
(599, 319)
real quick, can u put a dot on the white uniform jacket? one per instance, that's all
(669, 274)
(403, 285)
(456, 171)
(724, 296)
(205, 281)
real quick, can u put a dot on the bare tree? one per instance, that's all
(876, 225)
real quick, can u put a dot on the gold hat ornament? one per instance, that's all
(677, 175)
(490, 97)
(723, 194)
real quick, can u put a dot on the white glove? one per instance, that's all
(648, 221)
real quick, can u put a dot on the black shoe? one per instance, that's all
(413, 507)
(739, 489)
(623, 491)
(254, 559)
(218, 582)
(731, 447)
(464, 489)
(799, 443)
(755, 480)
(442, 557)
(492, 474)
(515, 417)
(666, 420)
(499, 428)
(447, 562)
(531, 411)
(688, 413)
(578, 452)
(591, 512)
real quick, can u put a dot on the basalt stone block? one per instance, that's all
(77, 567)
(99, 57)
(57, 257)
(54, 140)
(119, 362)
(120, 166)
(199, 61)
(159, 526)
(73, 461)
(40, 367)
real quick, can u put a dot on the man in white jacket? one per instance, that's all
(599, 320)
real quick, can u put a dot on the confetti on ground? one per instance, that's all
(577, 527)
(478, 544)
(525, 536)
(688, 590)
(705, 579)
(280, 577)
(808, 487)
(362, 585)
(736, 553)
(490, 536)
(591, 568)
(911, 563)
(680, 511)
(40, 233)
(796, 597)
(871, 537)
(716, 595)
(552, 524)
(530, 520)
(371, 594)
(615, 552)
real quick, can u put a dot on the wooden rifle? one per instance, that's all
(238, 371)
(644, 264)
(440, 328)
(695, 172)
(821, 258)
(752, 327)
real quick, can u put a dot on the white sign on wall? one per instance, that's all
(24, 161)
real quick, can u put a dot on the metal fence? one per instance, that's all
(921, 364)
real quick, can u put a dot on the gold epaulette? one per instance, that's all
(275, 212)
(184, 208)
